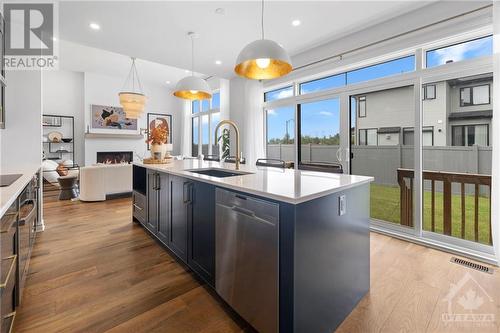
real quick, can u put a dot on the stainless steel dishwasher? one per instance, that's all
(246, 257)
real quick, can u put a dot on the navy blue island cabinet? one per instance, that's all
(322, 250)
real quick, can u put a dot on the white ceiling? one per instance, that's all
(156, 30)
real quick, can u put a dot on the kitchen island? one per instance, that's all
(288, 250)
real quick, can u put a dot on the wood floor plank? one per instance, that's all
(93, 270)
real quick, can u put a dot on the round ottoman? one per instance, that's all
(68, 187)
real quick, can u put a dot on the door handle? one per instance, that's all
(339, 154)
(138, 207)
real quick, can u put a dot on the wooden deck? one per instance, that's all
(93, 270)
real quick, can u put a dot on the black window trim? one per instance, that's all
(425, 91)
(359, 104)
(471, 95)
(366, 130)
(463, 134)
(424, 129)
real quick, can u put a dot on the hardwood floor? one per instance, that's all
(93, 270)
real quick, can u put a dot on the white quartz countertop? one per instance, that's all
(292, 186)
(8, 194)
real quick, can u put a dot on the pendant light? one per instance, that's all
(192, 87)
(132, 101)
(263, 59)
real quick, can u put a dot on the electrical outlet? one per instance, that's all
(342, 205)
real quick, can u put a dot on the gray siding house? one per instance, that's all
(456, 112)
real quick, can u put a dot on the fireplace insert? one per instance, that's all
(115, 157)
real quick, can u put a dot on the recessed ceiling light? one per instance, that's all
(296, 23)
(218, 62)
(187, 71)
(54, 39)
(94, 26)
(167, 82)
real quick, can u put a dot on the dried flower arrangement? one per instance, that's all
(158, 133)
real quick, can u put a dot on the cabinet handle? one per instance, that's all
(138, 207)
(11, 268)
(189, 192)
(13, 217)
(13, 315)
(158, 182)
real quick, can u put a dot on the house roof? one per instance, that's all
(383, 130)
(471, 115)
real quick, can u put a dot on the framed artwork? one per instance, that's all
(111, 119)
(154, 119)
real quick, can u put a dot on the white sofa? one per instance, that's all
(99, 180)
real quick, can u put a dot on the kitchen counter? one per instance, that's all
(286, 185)
(8, 194)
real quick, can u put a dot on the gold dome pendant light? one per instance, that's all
(192, 87)
(263, 59)
(132, 101)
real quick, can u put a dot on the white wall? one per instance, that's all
(20, 140)
(63, 95)
(103, 90)
(71, 93)
(246, 98)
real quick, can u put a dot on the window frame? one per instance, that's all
(359, 106)
(366, 131)
(412, 129)
(455, 42)
(464, 134)
(426, 97)
(471, 95)
(199, 114)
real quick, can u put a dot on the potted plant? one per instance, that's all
(157, 138)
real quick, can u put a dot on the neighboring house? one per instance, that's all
(456, 112)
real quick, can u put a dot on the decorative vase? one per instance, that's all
(158, 151)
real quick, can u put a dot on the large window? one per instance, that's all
(469, 135)
(278, 94)
(377, 71)
(458, 52)
(329, 82)
(319, 131)
(205, 116)
(478, 95)
(368, 137)
(280, 125)
(388, 68)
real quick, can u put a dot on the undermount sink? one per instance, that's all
(219, 173)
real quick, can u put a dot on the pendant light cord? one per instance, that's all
(192, 56)
(133, 75)
(262, 18)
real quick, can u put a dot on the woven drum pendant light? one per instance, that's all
(133, 101)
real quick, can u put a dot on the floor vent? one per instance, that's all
(472, 265)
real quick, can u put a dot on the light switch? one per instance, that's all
(342, 205)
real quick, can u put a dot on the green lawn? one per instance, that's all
(385, 206)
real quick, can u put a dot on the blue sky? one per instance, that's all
(322, 118)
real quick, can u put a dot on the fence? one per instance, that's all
(382, 162)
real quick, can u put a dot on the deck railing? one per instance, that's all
(447, 179)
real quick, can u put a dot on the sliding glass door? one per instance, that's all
(381, 123)
(457, 163)
(320, 137)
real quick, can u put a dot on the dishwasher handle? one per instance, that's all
(251, 214)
